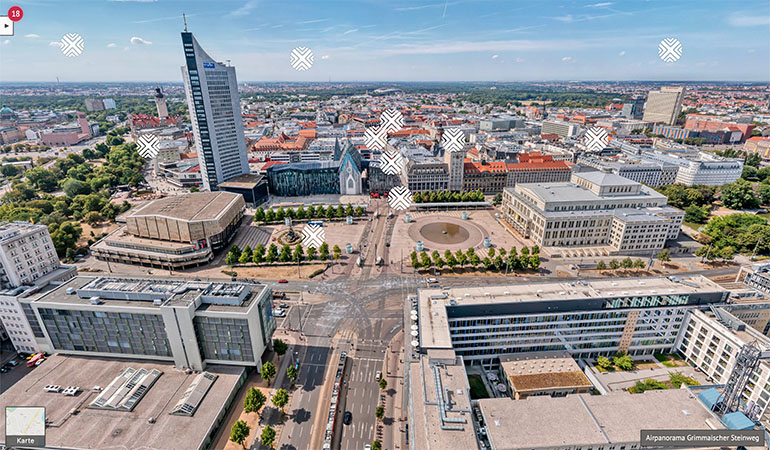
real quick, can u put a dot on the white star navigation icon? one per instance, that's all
(453, 139)
(375, 138)
(670, 50)
(301, 58)
(148, 146)
(400, 198)
(391, 120)
(71, 45)
(313, 236)
(391, 162)
(596, 139)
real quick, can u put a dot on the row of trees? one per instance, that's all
(270, 255)
(447, 196)
(625, 263)
(620, 360)
(736, 233)
(318, 212)
(256, 399)
(497, 260)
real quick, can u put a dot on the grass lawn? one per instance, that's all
(477, 387)
(669, 359)
(694, 226)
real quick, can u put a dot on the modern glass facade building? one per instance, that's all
(192, 323)
(215, 112)
(587, 319)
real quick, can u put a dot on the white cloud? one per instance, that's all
(139, 41)
(567, 59)
(351, 31)
(325, 57)
(495, 56)
(55, 44)
(600, 5)
(112, 45)
(7, 42)
(568, 18)
(514, 45)
(245, 9)
(622, 53)
(751, 50)
(32, 35)
(747, 20)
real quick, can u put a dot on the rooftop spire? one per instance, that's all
(184, 18)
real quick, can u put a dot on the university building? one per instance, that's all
(594, 209)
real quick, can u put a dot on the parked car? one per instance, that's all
(13, 363)
(378, 375)
(283, 281)
(4, 369)
(284, 305)
(347, 418)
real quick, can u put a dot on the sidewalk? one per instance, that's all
(395, 418)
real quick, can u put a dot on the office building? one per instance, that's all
(28, 262)
(70, 134)
(711, 339)
(188, 323)
(598, 210)
(700, 122)
(651, 173)
(94, 104)
(423, 171)
(634, 109)
(109, 103)
(174, 232)
(500, 124)
(701, 168)
(759, 145)
(215, 111)
(491, 177)
(560, 128)
(586, 318)
(670, 132)
(455, 169)
(664, 106)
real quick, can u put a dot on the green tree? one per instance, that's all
(267, 438)
(280, 398)
(359, 211)
(727, 253)
(292, 372)
(626, 263)
(601, 265)
(280, 347)
(259, 214)
(764, 193)
(330, 212)
(280, 214)
(299, 254)
(376, 444)
(753, 160)
(604, 362)
(272, 254)
(42, 178)
(487, 263)
(73, 187)
(474, 260)
(491, 252)
(639, 264)
(300, 214)
(379, 412)
(614, 264)
(323, 252)
(254, 400)
(534, 262)
(245, 257)
(497, 199)
(461, 257)
(239, 432)
(739, 195)
(425, 261)
(623, 362)
(92, 218)
(285, 255)
(65, 236)
(383, 383)
(259, 253)
(268, 371)
(269, 215)
(312, 254)
(696, 214)
(664, 255)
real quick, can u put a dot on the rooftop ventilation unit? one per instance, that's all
(95, 300)
(70, 291)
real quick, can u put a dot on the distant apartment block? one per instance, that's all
(702, 168)
(594, 209)
(634, 109)
(174, 232)
(67, 134)
(759, 145)
(651, 173)
(664, 106)
(700, 122)
(562, 129)
(672, 132)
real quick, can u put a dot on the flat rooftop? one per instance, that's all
(136, 292)
(192, 206)
(586, 420)
(245, 181)
(433, 303)
(567, 191)
(92, 428)
(534, 371)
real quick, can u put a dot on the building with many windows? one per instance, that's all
(174, 232)
(560, 128)
(189, 323)
(651, 173)
(595, 209)
(26, 254)
(215, 111)
(664, 106)
(701, 168)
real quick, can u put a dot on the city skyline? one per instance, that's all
(471, 40)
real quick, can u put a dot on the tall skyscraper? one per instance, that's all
(634, 109)
(664, 106)
(215, 112)
(160, 103)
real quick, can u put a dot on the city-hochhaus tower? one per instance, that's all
(215, 112)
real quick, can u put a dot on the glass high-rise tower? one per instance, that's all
(215, 111)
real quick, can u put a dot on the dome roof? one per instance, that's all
(6, 110)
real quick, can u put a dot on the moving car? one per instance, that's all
(378, 375)
(347, 418)
(283, 281)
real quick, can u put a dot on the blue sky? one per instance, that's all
(398, 40)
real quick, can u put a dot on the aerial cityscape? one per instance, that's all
(356, 225)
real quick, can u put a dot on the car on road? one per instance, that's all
(347, 418)
(4, 369)
(378, 375)
(283, 281)
(367, 447)
(431, 280)
(284, 305)
(13, 363)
